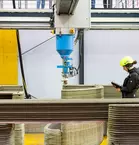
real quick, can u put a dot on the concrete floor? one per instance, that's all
(38, 139)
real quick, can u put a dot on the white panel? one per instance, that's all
(80, 19)
(42, 75)
(103, 51)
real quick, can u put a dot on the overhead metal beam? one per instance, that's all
(40, 19)
(57, 110)
(66, 6)
(25, 19)
(115, 19)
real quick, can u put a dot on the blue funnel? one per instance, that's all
(64, 44)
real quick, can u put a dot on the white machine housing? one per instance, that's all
(81, 18)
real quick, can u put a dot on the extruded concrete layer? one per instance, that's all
(108, 91)
(77, 86)
(71, 133)
(52, 134)
(83, 133)
(6, 134)
(14, 92)
(111, 93)
(35, 128)
(84, 92)
(11, 88)
(123, 124)
(19, 132)
(57, 110)
(11, 95)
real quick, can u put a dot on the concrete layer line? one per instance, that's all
(83, 132)
(17, 132)
(57, 110)
(123, 124)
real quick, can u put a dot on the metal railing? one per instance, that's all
(111, 4)
(47, 4)
(27, 4)
(127, 4)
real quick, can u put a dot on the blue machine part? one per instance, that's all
(64, 46)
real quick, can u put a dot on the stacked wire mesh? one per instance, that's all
(123, 124)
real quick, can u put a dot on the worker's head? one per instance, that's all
(127, 63)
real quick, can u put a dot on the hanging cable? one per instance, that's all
(78, 37)
(27, 95)
(20, 58)
(14, 4)
(37, 45)
(21, 65)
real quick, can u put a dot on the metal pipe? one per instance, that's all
(14, 4)
(81, 58)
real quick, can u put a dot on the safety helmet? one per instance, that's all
(126, 60)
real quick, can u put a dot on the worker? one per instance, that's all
(131, 83)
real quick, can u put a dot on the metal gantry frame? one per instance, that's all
(25, 19)
(118, 19)
(101, 19)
